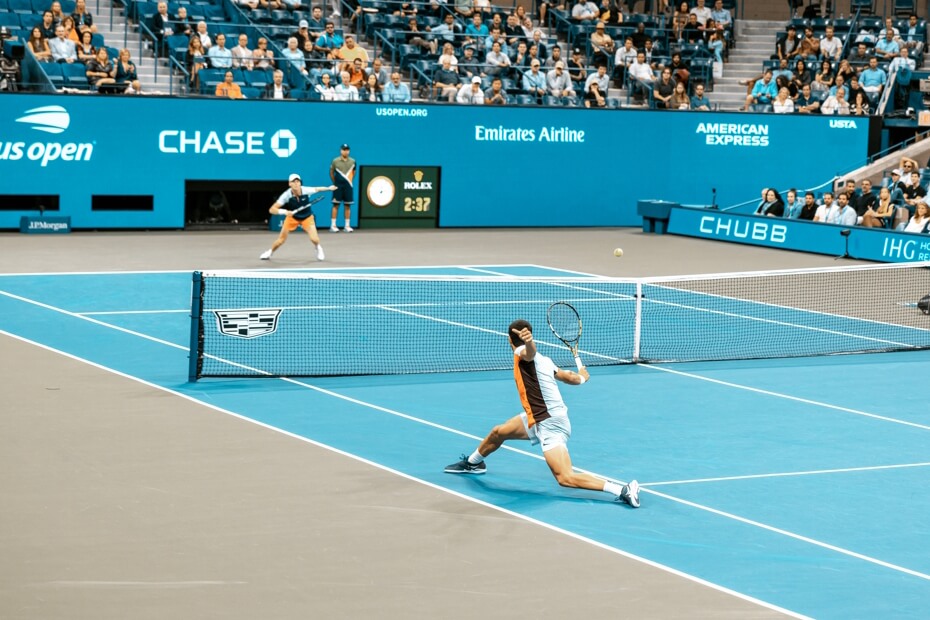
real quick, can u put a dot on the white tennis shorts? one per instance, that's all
(551, 432)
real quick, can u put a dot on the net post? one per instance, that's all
(195, 353)
(637, 321)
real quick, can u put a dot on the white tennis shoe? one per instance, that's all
(319, 253)
(333, 228)
(630, 494)
(265, 255)
(348, 228)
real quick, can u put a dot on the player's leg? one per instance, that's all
(310, 226)
(285, 229)
(514, 428)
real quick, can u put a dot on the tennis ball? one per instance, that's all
(618, 252)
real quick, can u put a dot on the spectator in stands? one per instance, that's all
(293, 55)
(415, 36)
(496, 35)
(262, 58)
(698, 101)
(542, 9)
(63, 49)
(471, 92)
(920, 219)
(802, 76)
(624, 57)
(787, 47)
(86, 49)
(463, 8)
(772, 204)
(680, 99)
(908, 166)
(809, 48)
(836, 103)
(512, 32)
(162, 26)
(849, 188)
(396, 91)
(241, 54)
(314, 59)
(470, 66)
(303, 33)
(38, 45)
(663, 89)
(315, 23)
(447, 31)
(372, 91)
(873, 79)
(345, 91)
(845, 71)
(325, 88)
(381, 74)
(693, 32)
(806, 103)
(519, 59)
(558, 82)
(496, 94)
(716, 42)
(476, 33)
(854, 88)
(496, 62)
(356, 73)
(70, 32)
(763, 91)
(859, 55)
(610, 13)
(862, 202)
(783, 70)
(897, 186)
(808, 208)
(329, 42)
(219, 56)
(879, 216)
(823, 79)
(783, 103)
(640, 36)
(100, 71)
(722, 17)
(448, 53)
(913, 192)
(584, 11)
(534, 82)
(277, 89)
(204, 36)
(914, 36)
(642, 79)
(823, 211)
(680, 21)
(842, 214)
(182, 23)
(576, 69)
(701, 12)
(229, 88)
(83, 19)
(681, 70)
(594, 97)
(57, 14)
(602, 46)
(887, 48)
(47, 25)
(831, 48)
(600, 76)
(196, 60)
(792, 204)
(901, 61)
(350, 51)
(404, 8)
(126, 69)
(555, 55)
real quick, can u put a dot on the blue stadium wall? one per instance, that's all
(500, 167)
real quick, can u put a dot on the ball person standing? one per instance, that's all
(342, 172)
(295, 198)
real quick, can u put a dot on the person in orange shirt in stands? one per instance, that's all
(228, 88)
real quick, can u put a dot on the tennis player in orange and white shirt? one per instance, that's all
(296, 206)
(544, 420)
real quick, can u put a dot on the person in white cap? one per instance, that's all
(295, 204)
(471, 92)
(558, 81)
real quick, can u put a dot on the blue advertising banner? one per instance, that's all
(864, 243)
(500, 166)
(44, 225)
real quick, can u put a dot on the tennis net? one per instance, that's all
(317, 324)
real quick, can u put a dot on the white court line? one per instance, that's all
(785, 474)
(744, 520)
(516, 515)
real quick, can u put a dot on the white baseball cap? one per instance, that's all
(293, 177)
(476, 80)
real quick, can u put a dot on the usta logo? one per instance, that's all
(53, 119)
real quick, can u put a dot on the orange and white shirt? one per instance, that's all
(538, 387)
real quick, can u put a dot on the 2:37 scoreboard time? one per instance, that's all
(399, 196)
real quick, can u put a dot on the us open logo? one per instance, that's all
(247, 323)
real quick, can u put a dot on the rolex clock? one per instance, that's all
(380, 191)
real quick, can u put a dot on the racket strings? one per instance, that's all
(565, 322)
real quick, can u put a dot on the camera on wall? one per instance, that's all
(11, 52)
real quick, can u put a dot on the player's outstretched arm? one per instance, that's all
(529, 347)
(571, 377)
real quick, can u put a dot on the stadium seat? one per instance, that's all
(904, 7)
(75, 75)
(250, 92)
(281, 16)
(54, 73)
(258, 78)
(524, 99)
(23, 6)
(865, 7)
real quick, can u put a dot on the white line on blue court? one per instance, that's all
(787, 474)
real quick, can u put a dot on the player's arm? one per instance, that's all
(571, 377)
(278, 207)
(527, 351)
(316, 190)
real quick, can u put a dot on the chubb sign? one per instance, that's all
(282, 143)
(52, 119)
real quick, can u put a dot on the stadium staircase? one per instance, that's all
(756, 45)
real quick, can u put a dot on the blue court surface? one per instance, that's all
(798, 483)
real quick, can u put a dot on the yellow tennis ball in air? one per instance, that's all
(618, 252)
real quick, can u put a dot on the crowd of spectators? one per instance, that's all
(828, 72)
(900, 203)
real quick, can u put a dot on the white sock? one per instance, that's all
(613, 488)
(475, 458)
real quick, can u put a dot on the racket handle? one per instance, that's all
(578, 363)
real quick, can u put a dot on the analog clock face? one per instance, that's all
(381, 191)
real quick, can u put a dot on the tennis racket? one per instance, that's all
(565, 323)
(312, 202)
